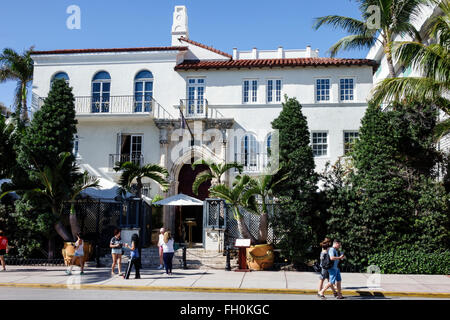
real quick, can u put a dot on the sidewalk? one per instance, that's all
(211, 280)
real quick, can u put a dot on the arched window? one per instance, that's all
(101, 87)
(143, 91)
(249, 152)
(60, 75)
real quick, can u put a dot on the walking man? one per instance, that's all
(334, 272)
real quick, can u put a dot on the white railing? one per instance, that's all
(252, 162)
(102, 105)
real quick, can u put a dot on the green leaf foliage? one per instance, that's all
(294, 225)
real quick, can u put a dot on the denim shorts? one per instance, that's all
(79, 254)
(335, 275)
(116, 250)
(324, 274)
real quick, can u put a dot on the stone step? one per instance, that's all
(195, 258)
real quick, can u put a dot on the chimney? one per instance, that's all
(308, 52)
(235, 54)
(255, 53)
(280, 53)
(180, 25)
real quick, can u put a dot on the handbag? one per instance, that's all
(176, 246)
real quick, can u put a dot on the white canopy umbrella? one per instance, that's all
(180, 200)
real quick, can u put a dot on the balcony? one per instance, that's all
(113, 105)
(198, 109)
(136, 158)
(252, 162)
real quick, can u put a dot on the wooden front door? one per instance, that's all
(186, 179)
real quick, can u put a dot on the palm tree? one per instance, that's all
(215, 172)
(19, 68)
(394, 20)
(81, 183)
(261, 187)
(433, 61)
(234, 197)
(133, 172)
(56, 191)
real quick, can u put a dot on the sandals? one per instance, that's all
(321, 296)
(340, 297)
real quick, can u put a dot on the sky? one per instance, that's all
(244, 24)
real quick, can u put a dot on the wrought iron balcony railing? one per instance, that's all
(106, 104)
(252, 161)
(136, 158)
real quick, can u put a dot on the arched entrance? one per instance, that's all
(186, 178)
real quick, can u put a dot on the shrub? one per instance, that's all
(410, 260)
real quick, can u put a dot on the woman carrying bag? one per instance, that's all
(135, 257)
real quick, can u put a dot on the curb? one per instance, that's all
(440, 295)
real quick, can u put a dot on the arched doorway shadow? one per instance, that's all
(186, 178)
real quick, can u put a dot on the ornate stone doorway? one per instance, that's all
(186, 178)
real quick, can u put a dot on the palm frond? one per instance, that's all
(353, 42)
(414, 88)
(200, 179)
(348, 24)
(441, 130)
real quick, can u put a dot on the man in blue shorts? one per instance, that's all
(334, 272)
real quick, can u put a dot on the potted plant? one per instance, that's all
(258, 194)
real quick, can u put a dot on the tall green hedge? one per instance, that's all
(411, 260)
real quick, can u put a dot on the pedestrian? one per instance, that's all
(79, 253)
(168, 252)
(3, 249)
(325, 245)
(135, 257)
(116, 252)
(160, 248)
(334, 272)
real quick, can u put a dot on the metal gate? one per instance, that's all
(219, 215)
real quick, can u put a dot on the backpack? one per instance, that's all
(327, 263)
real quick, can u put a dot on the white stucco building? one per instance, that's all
(422, 24)
(128, 103)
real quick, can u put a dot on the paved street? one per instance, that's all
(201, 283)
(68, 294)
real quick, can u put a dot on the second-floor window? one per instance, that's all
(250, 91)
(322, 90)
(320, 143)
(101, 88)
(196, 96)
(273, 91)
(346, 88)
(143, 91)
(60, 75)
(249, 152)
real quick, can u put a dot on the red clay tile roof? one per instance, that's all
(68, 51)
(274, 63)
(198, 44)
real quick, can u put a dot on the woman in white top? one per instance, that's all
(160, 249)
(168, 252)
(79, 253)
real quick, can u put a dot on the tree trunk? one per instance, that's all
(51, 248)
(243, 230)
(74, 226)
(263, 227)
(139, 188)
(62, 231)
(24, 102)
(388, 52)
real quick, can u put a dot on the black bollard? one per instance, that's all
(228, 264)
(97, 254)
(184, 257)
